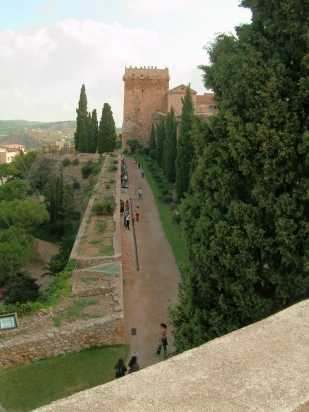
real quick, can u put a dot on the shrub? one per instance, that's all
(91, 168)
(134, 146)
(112, 168)
(168, 198)
(66, 162)
(76, 185)
(21, 288)
(75, 162)
(106, 207)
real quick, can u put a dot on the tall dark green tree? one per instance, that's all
(152, 141)
(246, 218)
(170, 147)
(94, 131)
(107, 131)
(185, 147)
(82, 129)
(160, 138)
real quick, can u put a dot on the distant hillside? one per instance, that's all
(34, 134)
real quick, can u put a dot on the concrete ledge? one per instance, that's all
(262, 367)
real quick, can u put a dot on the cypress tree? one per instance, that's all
(185, 146)
(81, 134)
(170, 147)
(160, 138)
(94, 132)
(152, 142)
(107, 131)
(246, 217)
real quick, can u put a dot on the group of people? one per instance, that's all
(124, 175)
(125, 212)
(121, 369)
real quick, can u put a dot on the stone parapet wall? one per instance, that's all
(54, 341)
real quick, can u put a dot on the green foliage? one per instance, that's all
(170, 147)
(57, 377)
(21, 164)
(134, 146)
(246, 218)
(76, 185)
(60, 287)
(21, 288)
(66, 162)
(91, 168)
(160, 140)
(107, 131)
(82, 124)
(94, 132)
(152, 142)
(16, 248)
(14, 189)
(27, 213)
(106, 207)
(185, 146)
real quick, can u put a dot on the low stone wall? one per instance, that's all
(55, 341)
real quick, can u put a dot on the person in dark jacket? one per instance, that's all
(133, 365)
(120, 368)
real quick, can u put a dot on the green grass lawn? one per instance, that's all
(172, 230)
(30, 386)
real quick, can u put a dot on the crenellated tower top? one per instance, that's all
(149, 72)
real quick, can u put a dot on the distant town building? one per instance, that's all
(147, 98)
(9, 151)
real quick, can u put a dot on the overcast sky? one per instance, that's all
(48, 48)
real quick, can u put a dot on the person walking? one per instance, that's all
(163, 340)
(133, 365)
(120, 368)
(128, 221)
(140, 193)
(137, 214)
(142, 172)
(121, 206)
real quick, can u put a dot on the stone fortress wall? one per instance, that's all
(145, 93)
(147, 98)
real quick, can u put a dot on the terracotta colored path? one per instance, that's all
(149, 292)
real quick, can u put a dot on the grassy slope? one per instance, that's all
(172, 231)
(30, 386)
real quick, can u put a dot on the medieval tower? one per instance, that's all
(145, 93)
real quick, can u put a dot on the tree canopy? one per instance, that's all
(246, 217)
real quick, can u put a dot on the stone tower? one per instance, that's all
(145, 93)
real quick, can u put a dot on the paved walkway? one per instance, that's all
(148, 292)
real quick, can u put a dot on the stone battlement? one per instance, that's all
(149, 72)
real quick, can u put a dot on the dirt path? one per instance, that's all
(149, 291)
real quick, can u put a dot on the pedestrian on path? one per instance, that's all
(133, 365)
(125, 218)
(128, 221)
(121, 206)
(120, 368)
(127, 206)
(140, 193)
(142, 172)
(163, 340)
(137, 213)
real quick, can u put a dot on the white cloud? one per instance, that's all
(42, 70)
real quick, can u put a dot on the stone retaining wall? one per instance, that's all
(55, 341)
